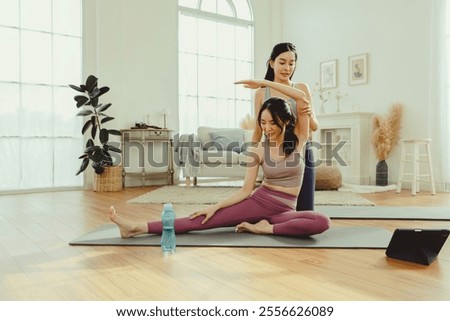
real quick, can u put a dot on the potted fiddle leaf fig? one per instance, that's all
(98, 147)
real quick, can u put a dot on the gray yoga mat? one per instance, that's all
(335, 237)
(386, 212)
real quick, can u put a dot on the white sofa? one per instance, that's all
(213, 152)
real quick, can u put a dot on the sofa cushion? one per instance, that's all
(230, 140)
(203, 133)
(218, 157)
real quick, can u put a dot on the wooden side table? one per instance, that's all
(144, 141)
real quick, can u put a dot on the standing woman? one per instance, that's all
(280, 68)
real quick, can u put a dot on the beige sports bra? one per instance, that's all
(287, 172)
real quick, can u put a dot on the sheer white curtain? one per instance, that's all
(40, 136)
(439, 90)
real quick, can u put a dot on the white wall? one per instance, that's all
(132, 47)
(396, 36)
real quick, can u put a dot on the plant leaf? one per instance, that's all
(91, 149)
(97, 155)
(76, 88)
(101, 91)
(104, 107)
(83, 166)
(104, 136)
(91, 82)
(107, 158)
(98, 167)
(106, 119)
(81, 100)
(85, 112)
(114, 132)
(87, 125)
(112, 148)
(94, 130)
(94, 93)
(98, 92)
(94, 102)
(89, 143)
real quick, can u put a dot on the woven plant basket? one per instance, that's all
(109, 181)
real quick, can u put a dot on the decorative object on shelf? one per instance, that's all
(357, 69)
(324, 96)
(328, 74)
(385, 136)
(99, 153)
(164, 113)
(339, 96)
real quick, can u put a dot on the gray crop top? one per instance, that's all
(287, 172)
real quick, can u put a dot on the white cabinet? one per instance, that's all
(343, 139)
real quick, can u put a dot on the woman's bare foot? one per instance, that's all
(262, 227)
(127, 228)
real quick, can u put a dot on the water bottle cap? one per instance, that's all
(168, 206)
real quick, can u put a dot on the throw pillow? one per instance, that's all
(231, 139)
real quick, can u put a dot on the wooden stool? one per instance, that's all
(415, 158)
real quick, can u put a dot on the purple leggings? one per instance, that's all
(273, 206)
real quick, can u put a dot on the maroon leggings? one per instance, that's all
(264, 204)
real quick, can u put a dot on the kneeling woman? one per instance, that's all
(270, 209)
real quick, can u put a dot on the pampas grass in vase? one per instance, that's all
(248, 122)
(385, 136)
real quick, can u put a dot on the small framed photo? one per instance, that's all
(328, 74)
(357, 69)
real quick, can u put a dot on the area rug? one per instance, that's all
(387, 212)
(335, 237)
(366, 188)
(212, 195)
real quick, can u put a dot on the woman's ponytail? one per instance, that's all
(290, 138)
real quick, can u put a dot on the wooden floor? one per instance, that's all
(36, 262)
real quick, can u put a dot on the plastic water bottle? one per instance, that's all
(168, 241)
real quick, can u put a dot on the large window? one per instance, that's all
(215, 49)
(40, 137)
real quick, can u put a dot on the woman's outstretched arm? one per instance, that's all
(293, 92)
(302, 127)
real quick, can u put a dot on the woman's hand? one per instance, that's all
(207, 212)
(250, 83)
(305, 108)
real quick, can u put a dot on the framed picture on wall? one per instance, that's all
(328, 74)
(357, 69)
